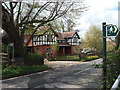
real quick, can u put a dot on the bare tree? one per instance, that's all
(68, 21)
(74, 14)
(18, 16)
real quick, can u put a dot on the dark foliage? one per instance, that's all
(113, 65)
(34, 59)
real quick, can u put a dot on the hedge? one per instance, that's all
(88, 58)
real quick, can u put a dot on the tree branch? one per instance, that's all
(15, 5)
(12, 11)
(27, 16)
(40, 10)
(64, 12)
(18, 14)
(6, 6)
(53, 11)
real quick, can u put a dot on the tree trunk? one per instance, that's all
(12, 30)
(15, 38)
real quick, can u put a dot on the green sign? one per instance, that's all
(112, 30)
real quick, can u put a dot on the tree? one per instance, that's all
(68, 21)
(19, 16)
(93, 38)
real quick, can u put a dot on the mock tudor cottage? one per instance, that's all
(67, 43)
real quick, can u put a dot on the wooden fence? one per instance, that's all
(4, 57)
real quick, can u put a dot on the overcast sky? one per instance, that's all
(99, 11)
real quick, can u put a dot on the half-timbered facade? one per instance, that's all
(48, 38)
(68, 43)
(42, 43)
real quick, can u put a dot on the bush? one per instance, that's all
(66, 58)
(113, 65)
(88, 58)
(34, 59)
(74, 58)
(9, 71)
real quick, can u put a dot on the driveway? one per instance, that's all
(64, 75)
(59, 64)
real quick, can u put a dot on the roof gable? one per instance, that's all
(69, 35)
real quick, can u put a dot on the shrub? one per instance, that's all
(9, 71)
(74, 58)
(34, 59)
(113, 65)
(92, 57)
(66, 58)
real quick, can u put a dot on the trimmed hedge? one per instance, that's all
(88, 58)
(12, 71)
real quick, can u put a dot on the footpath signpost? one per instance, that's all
(108, 30)
(112, 30)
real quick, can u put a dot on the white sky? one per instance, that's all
(99, 11)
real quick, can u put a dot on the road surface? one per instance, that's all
(70, 75)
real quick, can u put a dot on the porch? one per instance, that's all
(64, 50)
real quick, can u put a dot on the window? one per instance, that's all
(75, 39)
(75, 49)
(49, 50)
(59, 41)
(37, 50)
(63, 41)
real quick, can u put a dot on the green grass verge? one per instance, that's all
(88, 58)
(11, 71)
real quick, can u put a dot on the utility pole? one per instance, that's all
(104, 55)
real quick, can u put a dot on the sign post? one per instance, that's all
(104, 55)
(108, 30)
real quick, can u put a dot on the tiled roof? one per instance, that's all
(68, 34)
(60, 37)
(65, 35)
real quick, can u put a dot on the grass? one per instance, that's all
(11, 71)
(74, 58)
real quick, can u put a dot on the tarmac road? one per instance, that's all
(69, 75)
